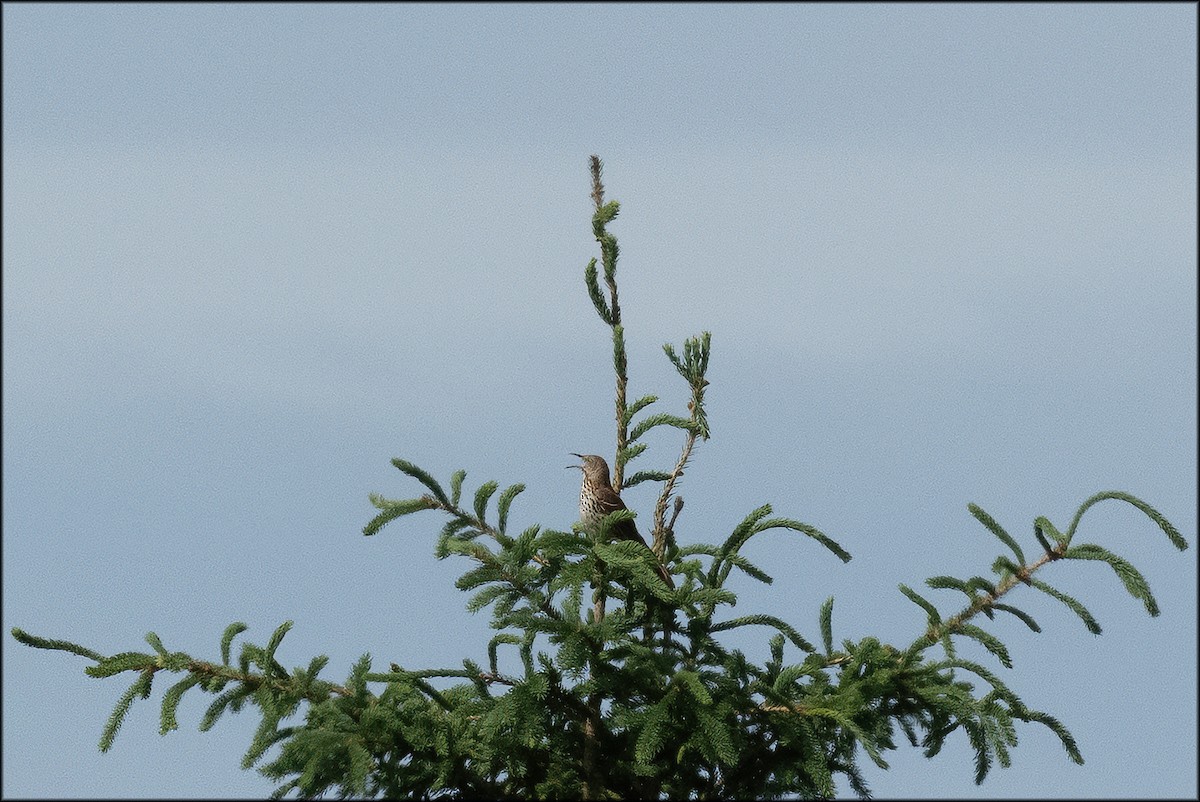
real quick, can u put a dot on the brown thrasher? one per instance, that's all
(597, 499)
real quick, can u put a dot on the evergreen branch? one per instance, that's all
(55, 645)
(1055, 726)
(272, 645)
(947, 583)
(170, 704)
(770, 621)
(1171, 532)
(391, 510)
(597, 168)
(716, 740)
(610, 310)
(1130, 577)
(826, 622)
(482, 495)
(1013, 575)
(997, 530)
(707, 549)
(738, 561)
(1072, 604)
(265, 736)
(316, 665)
(463, 520)
(230, 698)
(485, 597)
(647, 476)
(786, 679)
(692, 368)
(1007, 569)
(663, 419)
(494, 643)
(776, 645)
(983, 758)
(422, 477)
(139, 688)
(997, 684)
(156, 644)
(525, 548)
(1021, 614)
(609, 250)
(674, 359)
(492, 567)
(660, 507)
(741, 533)
(635, 558)
(1041, 538)
(979, 583)
(357, 681)
(652, 736)
(638, 406)
(259, 656)
(1042, 527)
(604, 528)
(811, 531)
(989, 642)
(506, 500)
(629, 453)
(231, 632)
(415, 679)
(359, 766)
(591, 279)
(935, 618)
(453, 531)
(621, 368)
(456, 483)
(691, 681)
(119, 663)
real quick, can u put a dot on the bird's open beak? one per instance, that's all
(573, 454)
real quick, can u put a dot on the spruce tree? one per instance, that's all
(625, 688)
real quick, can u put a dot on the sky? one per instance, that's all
(251, 253)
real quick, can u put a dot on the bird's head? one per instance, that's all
(594, 467)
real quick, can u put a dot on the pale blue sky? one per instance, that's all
(251, 253)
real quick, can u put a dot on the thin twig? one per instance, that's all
(660, 508)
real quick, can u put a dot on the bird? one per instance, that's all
(597, 499)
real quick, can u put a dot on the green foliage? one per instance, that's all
(1171, 532)
(55, 645)
(1130, 577)
(636, 696)
(140, 689)
(506, 500)
(998, 531)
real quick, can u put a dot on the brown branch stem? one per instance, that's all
(935, 633)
